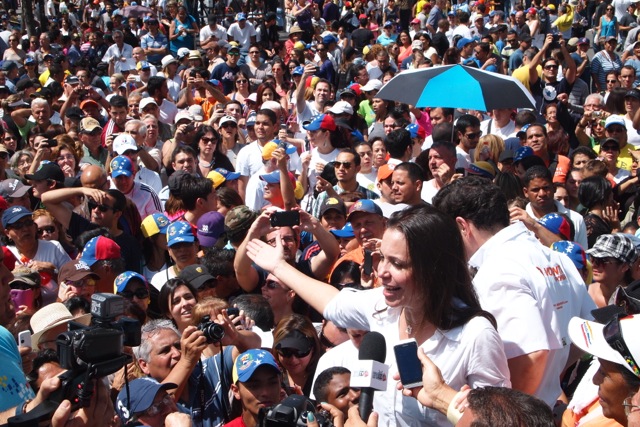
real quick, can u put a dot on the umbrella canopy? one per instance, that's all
(457, 86)
(135, 11)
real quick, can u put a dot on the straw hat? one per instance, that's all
(50, 316)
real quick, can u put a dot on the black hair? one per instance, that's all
(475, 200)
(193, 188)
(501, 406)
(356, 156)
(257, 308)
(397, 142)
(120, 199)
(154, 85)
(465, 121)
(536, 172)
(118, 101)
(349, 269)
(167, 292)
(593, 191)
(77, 303)
(320, 389)
(414, 171)
(265, 112)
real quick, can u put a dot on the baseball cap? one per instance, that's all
(183, 115)
(180, 232)
(14, 214)
(385, 171)
(321, 121)
(73, 270)
(573, 250)
(123, 279)
(248, 362)
(616, 246)
(167, 59)
(557, 224)
(345, 232)
(89, 124)
(583, 40)
(599, 340)
(417, 45)
(100, 248)
(227, 119)
(341, 107)
(47, 171)
(25, 275)
(610, 140)
(13, 187)
(298, 71)
(143, 65)
(210, 228)
(632, 93)
(366, 206)
(154, 224)
(328, 39)
(274, 177)
(144, 102)
(416, 131)
(139, 397)
(481, 168)
(241, 17)
(121, 165)
(333, 203)
(463, 42)
(74, 113)
(387, 24)
(614, 119)
(521, 153)
(233, 46)
(182, 52)
(271, 146)
(373, 84)
(72, 80)
(196, 275)
(239, 219)
(123, 143)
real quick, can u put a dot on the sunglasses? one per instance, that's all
(21, 224)
(229, 125)
(603, 261)
(292, 352)
(271, 284)
(156, 408)
(613, 336)
(473, 135)
(46, 229)
(346, 165)
(609, 148)
(550, 67)
(242, 81)
(209, 140)
(101, 207)
(612, 81)
(87, 281)
(140, 293)
(234, 53)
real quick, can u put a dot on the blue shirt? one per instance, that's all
(386, 41)
(157, 42)
(14, 388)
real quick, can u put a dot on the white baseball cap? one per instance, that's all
(341, 107)
(124, 142)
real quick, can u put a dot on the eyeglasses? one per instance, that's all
(206, 140)
(603, 261)
(20, 224)
(87, 281)
(49, 229)
(101, 207)
(609, 148)
(550, 67)
(233, 54)
(140, 293)
(628, 407)
(473, 135)
(613, 336)
(272, 284)
(242, 81)
(292, 352)
(156, 408)
(346, 165)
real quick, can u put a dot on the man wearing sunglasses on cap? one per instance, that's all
(76, 280)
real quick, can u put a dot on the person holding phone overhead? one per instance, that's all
(428, 297)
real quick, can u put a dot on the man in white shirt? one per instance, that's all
(309, 109)
(212, 33)
(118, 53)
(531, 290)
(500, 123)
(122, 178)
(468, 129)
(244, 33)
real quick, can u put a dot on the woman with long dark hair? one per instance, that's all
(209, 149)
(425, 294)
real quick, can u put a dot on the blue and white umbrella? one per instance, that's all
(457, 86)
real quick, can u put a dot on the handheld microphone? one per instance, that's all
(370, 373)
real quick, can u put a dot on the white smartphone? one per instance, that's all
(24, 339)
(409, 365)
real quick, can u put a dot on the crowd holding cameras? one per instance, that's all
(206, 223)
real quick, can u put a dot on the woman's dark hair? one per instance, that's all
(615, 101)
(241, 74)
(229, 198)
(168, 291)
(438, 257)
(348, 269)
(594, 191)
(587, 151)
(262, 88)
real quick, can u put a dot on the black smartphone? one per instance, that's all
(410, 368)
(233, 311)
(367, 267)
(52, 142)
(285, 218)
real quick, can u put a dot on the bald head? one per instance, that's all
(94, 177)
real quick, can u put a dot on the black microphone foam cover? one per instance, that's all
(373, 347)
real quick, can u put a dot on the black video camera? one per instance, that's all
(292, 412)
(88, 352)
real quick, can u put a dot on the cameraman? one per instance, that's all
(202, 384)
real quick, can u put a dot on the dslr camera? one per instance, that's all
(292, 412)
(88, 353)
(212, 331)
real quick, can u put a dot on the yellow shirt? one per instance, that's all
(522, 75)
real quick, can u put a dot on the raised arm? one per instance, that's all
(301, 104)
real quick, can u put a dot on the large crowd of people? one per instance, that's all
(227, 185)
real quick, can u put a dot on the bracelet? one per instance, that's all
(453, 415)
